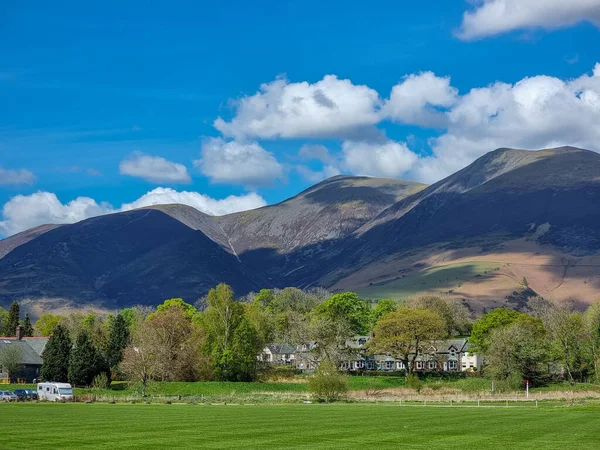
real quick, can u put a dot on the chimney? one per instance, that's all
(19, 333)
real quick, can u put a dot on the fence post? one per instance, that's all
(478, 402)
(425, 402)
(507, 403)
(536, 405)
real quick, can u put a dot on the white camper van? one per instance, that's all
(55, 392)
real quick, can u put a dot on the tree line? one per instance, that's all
(219, 337)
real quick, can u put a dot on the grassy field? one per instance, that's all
(439, 279)
(346, 426)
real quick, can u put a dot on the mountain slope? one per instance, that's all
(512, 224)
(545, 203)
(139, 256)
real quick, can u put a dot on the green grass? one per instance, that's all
(439, 279)
(345, 426)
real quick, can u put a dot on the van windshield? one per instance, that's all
(66, 391)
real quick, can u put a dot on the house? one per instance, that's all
(31, 349)
(450, 355)
(441, 356)
(279, 354)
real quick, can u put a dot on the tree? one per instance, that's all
(188, 309)
(406, 333)
(232, 342)
(139, 358)
(56, 356)
(454, 313)
(592, 325)
(46, 324)
(517, 352)
(118, 337)
(3, 319)
(349, 308)
(86, 362)
(487, 323)
(27, 327)
(11, 357)
(175, 344)
(12, 322)
(382, 309)
(328, 384)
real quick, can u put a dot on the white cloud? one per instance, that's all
(154, 169)
(21, 176)
(492, 17)
(26, 211)
(534, 113)
(314, 176)
(232, 162)
(388, 159)
(330, 107)
(421, 99)
(315, 152)
(23, 212)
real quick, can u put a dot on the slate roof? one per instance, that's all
(28, 355)
(282, 348)
(38, 344)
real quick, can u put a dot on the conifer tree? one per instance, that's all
(56, 356)
(10, 328)
(118, 338)
(27, 327)
(86, 361)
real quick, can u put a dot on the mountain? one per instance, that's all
(515, 223)
(147, 255)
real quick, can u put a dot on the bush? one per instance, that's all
(328, 384)
(413, 382)
(101, 381)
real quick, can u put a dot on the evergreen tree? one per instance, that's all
(27, 327)
(118, 338)
(56, 356)
(10, 328)
(86, 362)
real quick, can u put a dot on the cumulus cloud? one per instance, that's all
(492, 17)
(21, 176)
(315, 152)
(421, 99)
(537, 112)
(24, 212)
(314, 176)
(27, 211)
(233, 162)
(330, 107)
(154, 169)
(388, 159)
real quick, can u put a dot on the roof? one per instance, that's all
(282, 348)
(37, 343)
(28, 354)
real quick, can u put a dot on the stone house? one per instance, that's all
(31, 349)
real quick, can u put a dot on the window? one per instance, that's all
(431, 365)
(389, 365)
(360, 364)
(452, 365)
(419, 365)
(370, 365)
(400, 365)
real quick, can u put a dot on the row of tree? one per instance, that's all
(10, 320)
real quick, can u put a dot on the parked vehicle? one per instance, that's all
(55, 392)
(7, 396)
(26, 394)
(32, 393)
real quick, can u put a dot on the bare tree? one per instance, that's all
(139, 362)
(10, 358)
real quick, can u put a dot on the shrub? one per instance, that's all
(328, 384)
(101, 381)
(413, 382)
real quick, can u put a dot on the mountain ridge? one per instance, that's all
(327, 235)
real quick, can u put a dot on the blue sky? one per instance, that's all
(110, 102)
